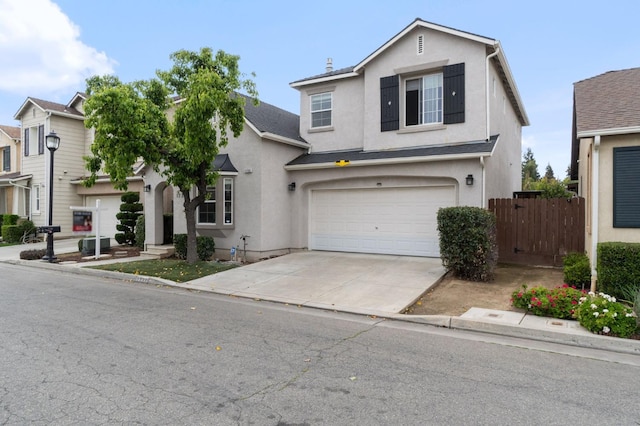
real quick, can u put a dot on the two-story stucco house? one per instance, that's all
(605, 156)
(432, 118)
(38, 118)
(12, 193)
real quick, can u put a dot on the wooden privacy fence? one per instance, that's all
(537, 231)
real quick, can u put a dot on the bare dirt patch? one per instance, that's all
(453, 296)
(115, 252)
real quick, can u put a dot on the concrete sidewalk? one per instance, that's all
(365, 284)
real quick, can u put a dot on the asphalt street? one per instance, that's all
(86, 350)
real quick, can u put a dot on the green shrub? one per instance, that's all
(205, 246)
(10, 219)
(33, 254)
(468, 242)
(618, 271)
(577, 270)
(140, 232)
(11, 233)
(130, 210)
(560, 302)
(602, 314)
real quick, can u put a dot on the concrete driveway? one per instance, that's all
(351, 282)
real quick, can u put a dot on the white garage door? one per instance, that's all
(379, 220)
(108, 220)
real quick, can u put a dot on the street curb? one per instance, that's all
(591, 341)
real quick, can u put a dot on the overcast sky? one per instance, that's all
(48, 48)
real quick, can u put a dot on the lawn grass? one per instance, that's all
(169, 269)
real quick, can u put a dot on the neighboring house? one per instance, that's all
(432, 118)
(605, 156)
(13, 193)
(38, 118)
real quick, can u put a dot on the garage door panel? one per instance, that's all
(380, 220)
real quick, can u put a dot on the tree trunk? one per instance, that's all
(190, 215)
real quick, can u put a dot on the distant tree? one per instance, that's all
(548, 173)
(132, 121)
(569, 171)
(551, 188)
(530, 172)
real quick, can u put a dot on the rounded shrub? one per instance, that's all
(577, 270)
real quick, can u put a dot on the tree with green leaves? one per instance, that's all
(530, 172)
(133, 121)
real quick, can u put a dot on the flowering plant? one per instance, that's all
(602, 314)
(560, 302)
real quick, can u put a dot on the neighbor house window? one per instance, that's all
(626, 187)
(6, 158)
(321, 107)
(228, 201)
(34, 140)
(36, 198)
(207, 210)
(423, 100)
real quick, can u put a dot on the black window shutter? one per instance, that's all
(389, 103)
(453, 96)
(26, 142)
(626, 187)
(41, 139)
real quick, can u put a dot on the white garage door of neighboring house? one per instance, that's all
(108, 220)
(399, 221)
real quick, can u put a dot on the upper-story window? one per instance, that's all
(423, 100)
(34, 140)
(321, 107)
(6, 158)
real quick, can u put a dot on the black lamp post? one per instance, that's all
(53, 142)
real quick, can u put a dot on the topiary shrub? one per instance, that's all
(205, 246)
(10, 219)
(33, 254)
(618, 272)
(468, 245)
(130, 210)
(140, 232)
(577, 270)
(11, 233)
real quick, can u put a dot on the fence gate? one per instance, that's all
(537, 231)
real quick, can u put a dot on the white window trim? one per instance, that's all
(37, 199)
(421, 77)
(312, 111)
(225, 201)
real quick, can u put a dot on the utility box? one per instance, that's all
(89, 245)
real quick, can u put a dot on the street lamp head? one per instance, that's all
(53, 141)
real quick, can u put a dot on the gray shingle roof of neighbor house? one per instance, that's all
(49, 106)
(268, 118)
(608, 101)
(469, 149)
(11, 131)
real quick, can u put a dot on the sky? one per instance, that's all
(49, 47)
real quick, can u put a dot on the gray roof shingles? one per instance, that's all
(475, 147)
(608, 101)
(271, 119)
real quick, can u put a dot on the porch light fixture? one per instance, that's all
(469, 180)
(147, 188)
(292, 186)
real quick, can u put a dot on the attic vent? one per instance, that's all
(420, 45)
(329, 65)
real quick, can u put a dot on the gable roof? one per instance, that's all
(608, 101)
(357, 157)
(48, 106)
(272, 122)
(11, 131)
(493, 46)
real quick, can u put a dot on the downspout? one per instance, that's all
(487, 71)
(484, 184)
(595, 171)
